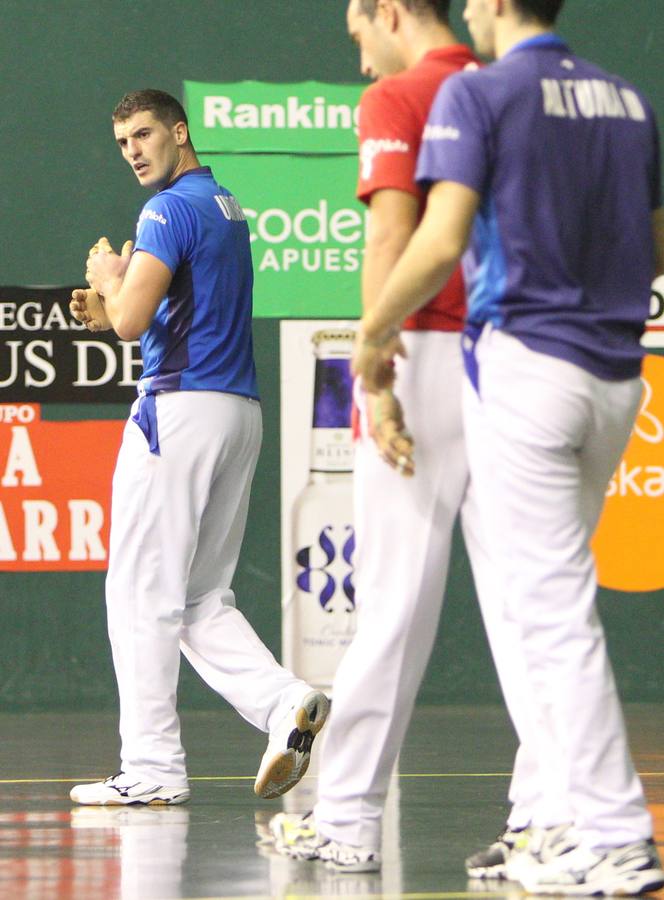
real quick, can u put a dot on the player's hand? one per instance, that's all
(103, 246)
(373, 361)
(104, 268)
(87, 307)
(388, 429)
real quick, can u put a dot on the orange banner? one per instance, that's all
(630, 536)
(55, 490)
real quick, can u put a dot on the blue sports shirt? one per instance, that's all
(565, 158)
(200, 337)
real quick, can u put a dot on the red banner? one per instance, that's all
(55, 490)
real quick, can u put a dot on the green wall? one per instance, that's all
(63, 65)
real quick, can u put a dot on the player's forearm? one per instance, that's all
(122, 310)
(132, 292)
(381, 255)
(109, 290)
(428, 261)
(423, 268)
(128, 316)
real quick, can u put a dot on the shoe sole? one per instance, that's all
(281, 775)
(285, 770)
(313, 713)
(131, 801)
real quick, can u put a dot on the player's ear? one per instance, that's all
(388, 10)
(181, 133)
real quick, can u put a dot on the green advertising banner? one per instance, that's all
(289, 154)
(262, 117)
(307, 231)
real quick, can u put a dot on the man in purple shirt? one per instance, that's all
(553, 165)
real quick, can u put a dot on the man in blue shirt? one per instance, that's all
(548, 168)
(183, 476)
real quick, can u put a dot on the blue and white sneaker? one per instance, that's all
(541, 845)
(490, 862)
(296, 836)
(119, 790)
(289, 748)
(349, 858)
(626, 871)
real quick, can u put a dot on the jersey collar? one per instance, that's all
(199, 170)
(539, 42)
(448, 51)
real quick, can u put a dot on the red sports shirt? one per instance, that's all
(393, 113)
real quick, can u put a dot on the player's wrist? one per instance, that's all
(373, 335)
(108, 288)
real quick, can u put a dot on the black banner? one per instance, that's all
(46, 356)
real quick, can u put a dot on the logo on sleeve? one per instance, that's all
(441, 133)
(153, 216)
(372, 147)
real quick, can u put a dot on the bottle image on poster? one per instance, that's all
(319, 612)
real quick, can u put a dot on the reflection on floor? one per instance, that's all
(447, 800)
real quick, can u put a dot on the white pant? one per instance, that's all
(177, 526)
(544, 437)
(404, 534)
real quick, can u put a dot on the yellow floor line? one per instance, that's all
(252, 777)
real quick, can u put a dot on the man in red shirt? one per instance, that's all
(404, 510)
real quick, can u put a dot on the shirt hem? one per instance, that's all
(625, 372)
(217, 390)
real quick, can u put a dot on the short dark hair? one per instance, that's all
(545, 11)
(164, 108)
(439, 8)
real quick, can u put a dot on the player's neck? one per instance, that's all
(510, 34)
(421, 40)
(188, 161)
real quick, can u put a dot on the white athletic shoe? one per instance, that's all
(118, 790)
(297, 837)
(629, 870)
(349, 858)
(289, 748)
(541, 845)
(490, 862)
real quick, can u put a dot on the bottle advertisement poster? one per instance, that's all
(318, 538)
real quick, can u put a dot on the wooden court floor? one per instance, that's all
(447, 800)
